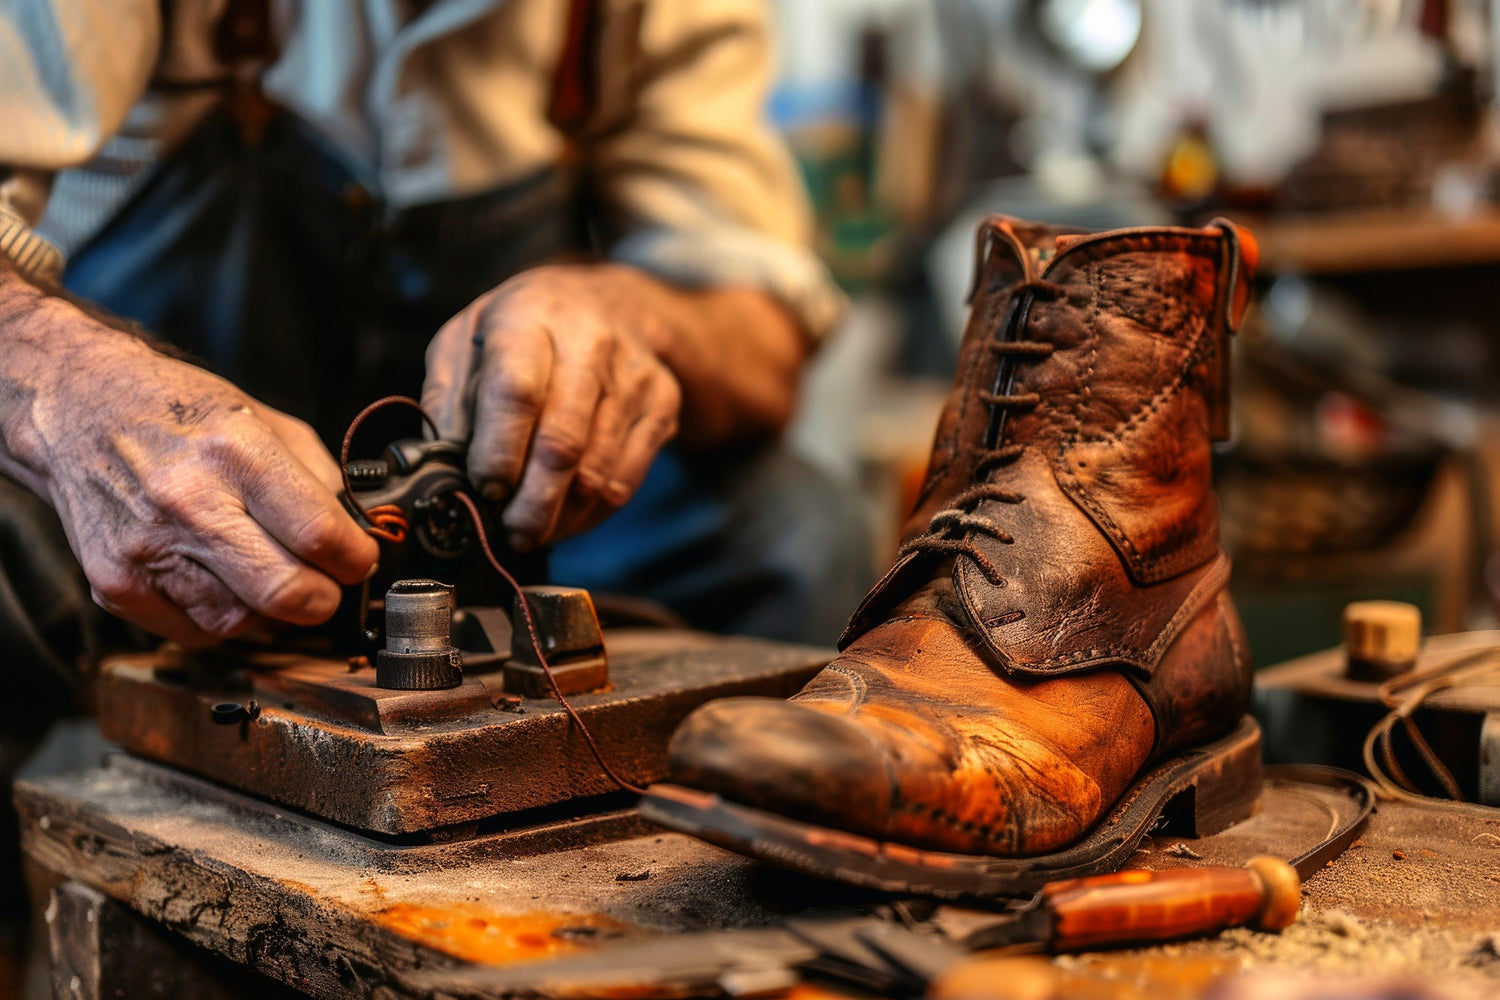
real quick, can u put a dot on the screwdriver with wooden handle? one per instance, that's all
(1142, 907)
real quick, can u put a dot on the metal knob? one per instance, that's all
(419, 654)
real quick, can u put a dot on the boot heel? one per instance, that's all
(1216, 785)
(1225, 788)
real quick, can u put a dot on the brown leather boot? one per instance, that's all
(1053, 660)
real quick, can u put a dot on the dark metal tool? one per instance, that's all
(408, 500)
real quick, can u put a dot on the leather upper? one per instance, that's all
(1118, 437)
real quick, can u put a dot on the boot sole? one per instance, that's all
(1197, 793)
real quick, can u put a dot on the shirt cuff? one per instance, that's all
(739, 258)
(33, 255)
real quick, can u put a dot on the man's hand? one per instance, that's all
(567, 381)
(194, 510)
(555, 380)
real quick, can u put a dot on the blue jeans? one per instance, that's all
(268, 260)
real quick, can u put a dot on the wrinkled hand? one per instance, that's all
(194, 510)
(556, 381)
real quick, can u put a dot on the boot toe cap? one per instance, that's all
(797, 761)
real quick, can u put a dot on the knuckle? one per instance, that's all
(516, 388)
(452, 338)
(112, 587)
(617, 492)
(494, 466)
(301, 428)
(592, 475)
(663, 427)
(558, 449)
(223, 622)
(175, 490)
(637, 384)
(241, 450)
(527, 519)
(535, 509)
(669, 393)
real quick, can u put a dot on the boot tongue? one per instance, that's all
(936, 598)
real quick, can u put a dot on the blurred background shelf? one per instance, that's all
(1375, 241)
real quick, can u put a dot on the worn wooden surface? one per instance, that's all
(337, 915)
(102, 950)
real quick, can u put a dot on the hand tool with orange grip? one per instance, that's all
(1140, 907)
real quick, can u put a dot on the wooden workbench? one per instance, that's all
(333, 914)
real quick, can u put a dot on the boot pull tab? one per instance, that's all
(1241, 254)
(992, 227)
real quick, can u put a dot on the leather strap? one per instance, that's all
(1359, 792)
(1240, 255)
(1234, 293)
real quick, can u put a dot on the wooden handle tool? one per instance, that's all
(1139, 907)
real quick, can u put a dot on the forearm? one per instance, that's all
(46, 341)
(737, 353)
(24, 363)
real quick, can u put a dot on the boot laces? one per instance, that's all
(952, 529)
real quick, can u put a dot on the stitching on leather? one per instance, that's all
(1213, 581)
(1196, 351)
(861, 688)
(1198, 244)
(1147, 563)
(1135, 283)
(1108, 523)
(1091, 322)
(1144, 412)
(1201, 344)
(1146, 657)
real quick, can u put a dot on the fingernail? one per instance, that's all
(493, 492)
